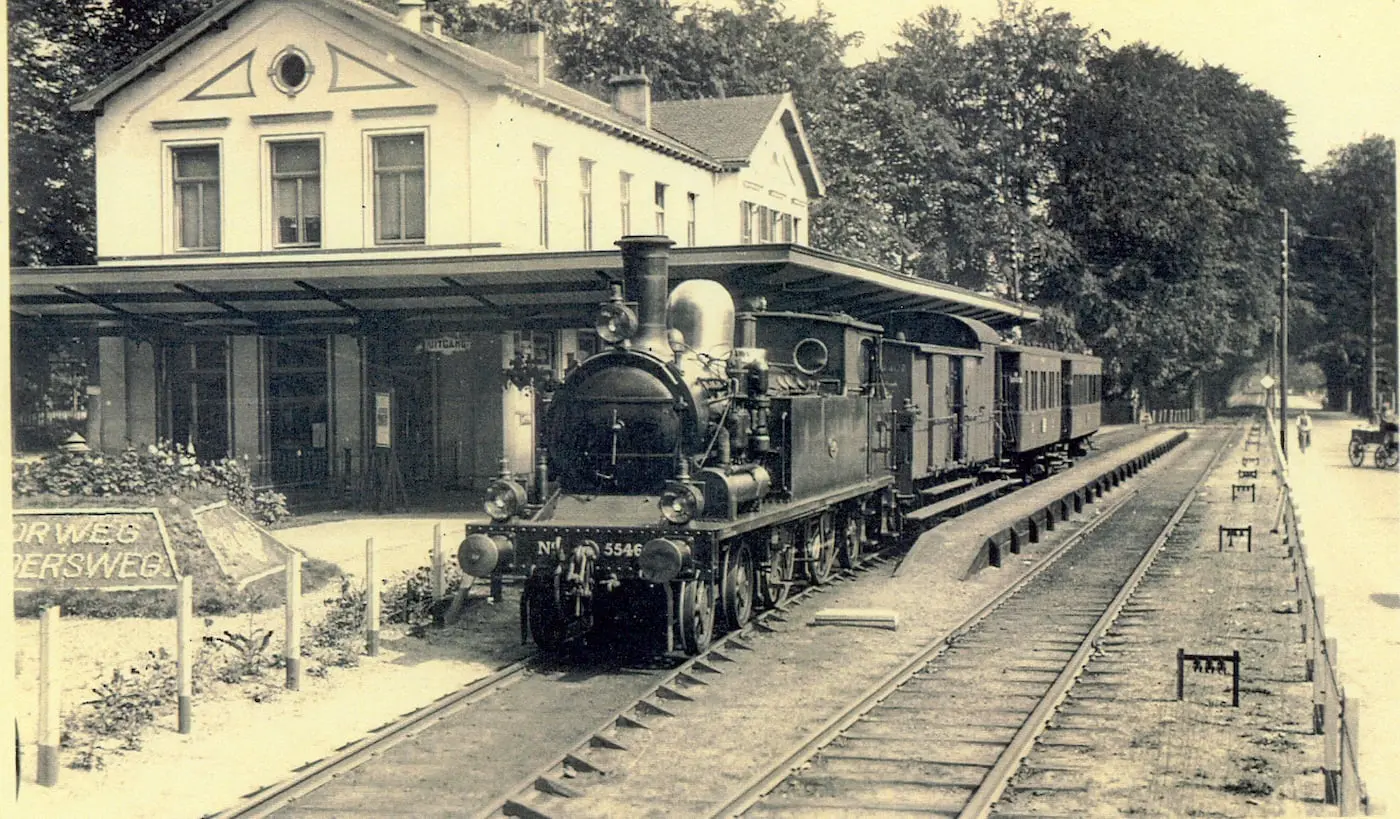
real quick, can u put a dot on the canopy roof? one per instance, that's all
(447, 289)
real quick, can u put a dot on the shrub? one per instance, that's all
(408, 599)
(126, 704)
(159, 469)
(334, 640)
(250, 653)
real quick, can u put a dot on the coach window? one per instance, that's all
(296, 193)
(195, 171)
(400, 201)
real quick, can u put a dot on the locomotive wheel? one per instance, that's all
(737, 593)
(547, 624)
(1357, 453)
(774, 583)
(852, 539)
(821, 550)
(697, 615)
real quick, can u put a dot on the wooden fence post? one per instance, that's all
(292, 653)
(371, 601)
(49, 690)
(1351, 758)
(439, 570)
(184, 660)
(1323, 675)
(1332, 749)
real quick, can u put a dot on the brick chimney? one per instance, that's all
(632, 96)
(432, 23)
(525, 48)
(411, 14)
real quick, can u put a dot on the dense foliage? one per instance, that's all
(1130, 195)
(1343, 287)
(156, 470)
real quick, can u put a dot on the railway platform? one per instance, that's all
(1351, 519)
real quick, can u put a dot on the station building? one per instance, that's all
(333, 241)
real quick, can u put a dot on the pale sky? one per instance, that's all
(1334, 63)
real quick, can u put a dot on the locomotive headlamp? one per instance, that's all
(504, 498)
(681, 502)
(615, 322)
(479, 554)
(662, 559)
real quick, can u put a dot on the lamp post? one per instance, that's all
(1283, 344)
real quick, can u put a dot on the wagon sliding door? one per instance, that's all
(942, 419)
(978, 406)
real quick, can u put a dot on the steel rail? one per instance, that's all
(508, 805)
(757, 787)
(274, 797)
(1010, 759)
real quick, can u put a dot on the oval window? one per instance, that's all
(291, 70)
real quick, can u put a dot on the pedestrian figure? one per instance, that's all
(1388, 425)
(1304, 431)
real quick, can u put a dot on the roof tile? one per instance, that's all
(726, 129)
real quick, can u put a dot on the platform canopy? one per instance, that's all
(434, 290)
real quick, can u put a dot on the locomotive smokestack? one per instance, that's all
(644, 262)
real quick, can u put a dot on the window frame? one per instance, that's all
(585, 194)
(746, 210)
(692, 217)
(624, 194)
(372, 183)
(271, 144)
(175, 211)
(659, 201)
(541, 157)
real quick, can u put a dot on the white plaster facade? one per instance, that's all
(484, 120)
(369, 76)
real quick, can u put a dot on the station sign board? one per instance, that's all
(113, 549)
(244, 550)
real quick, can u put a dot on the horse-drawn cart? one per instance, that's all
(1387, 451)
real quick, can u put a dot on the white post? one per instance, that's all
(184, 663)
(439, 570)
(292, 653)
(49, 690)
(371, 601)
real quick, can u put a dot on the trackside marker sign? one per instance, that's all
(92, 549)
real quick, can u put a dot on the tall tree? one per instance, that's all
(1170, 178)
(1345, 282)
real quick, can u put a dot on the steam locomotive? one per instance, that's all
(709, 459)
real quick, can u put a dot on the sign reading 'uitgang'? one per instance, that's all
(92, 549)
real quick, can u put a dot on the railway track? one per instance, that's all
(344, 784)
(492, 749)
(943, 734)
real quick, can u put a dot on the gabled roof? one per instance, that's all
(755, 114)
(729, 129)
(726, 129)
